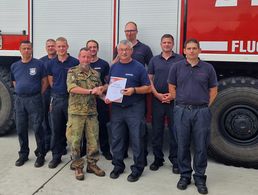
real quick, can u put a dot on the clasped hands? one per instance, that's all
(164, 97)
(97, 90)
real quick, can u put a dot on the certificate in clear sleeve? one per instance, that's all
(115, 89)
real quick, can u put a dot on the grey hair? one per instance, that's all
(125, 42)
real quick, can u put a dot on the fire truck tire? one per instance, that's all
(234, 126)
(6, 103)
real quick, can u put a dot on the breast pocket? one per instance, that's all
(201, 77)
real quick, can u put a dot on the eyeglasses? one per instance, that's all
(130, 31)
(124, 50)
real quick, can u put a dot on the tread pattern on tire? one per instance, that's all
(5, 78)
(235, 83)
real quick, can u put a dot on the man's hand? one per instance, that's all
(101, 89)
(160, 96)
(107, 101)
(164, 97)
(167, 98)
(97, 90)
(128, 91)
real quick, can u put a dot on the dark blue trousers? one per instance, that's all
(46, 119)
(58, 117)
(133, 118)
(192, 125)
(103, 118)
(159, 112)
(29, 113)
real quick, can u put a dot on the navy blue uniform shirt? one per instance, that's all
(192, 83)
(59, 70)
(102, 67)
(136, 76)
(28, 76)
(141, 52)
(159, 67)
(45, 60)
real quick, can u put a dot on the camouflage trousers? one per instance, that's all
(76, 125)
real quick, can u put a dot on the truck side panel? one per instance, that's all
(224, 28)
(77, 20)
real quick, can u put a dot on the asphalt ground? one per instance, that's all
(26, 180)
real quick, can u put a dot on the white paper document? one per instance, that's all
(115, 89)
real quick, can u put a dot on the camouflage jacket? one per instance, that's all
(81, 104)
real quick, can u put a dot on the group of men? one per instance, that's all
(74, 107)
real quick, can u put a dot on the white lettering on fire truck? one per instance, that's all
(230, 3)
(240, 46)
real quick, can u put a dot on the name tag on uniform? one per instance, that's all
(97, 68)
(127, 74)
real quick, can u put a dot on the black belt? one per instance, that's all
(192, 107)
(126, 105)
(28, 95)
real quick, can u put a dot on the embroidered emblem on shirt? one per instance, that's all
(127, 74)
(33, 71)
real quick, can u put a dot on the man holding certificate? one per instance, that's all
(127, 85)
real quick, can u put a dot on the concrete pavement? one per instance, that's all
(26, 180)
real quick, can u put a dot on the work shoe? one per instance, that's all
(54, 163)
(183, 183)
(39, 161)
(108, 156)
(93, 168)
(175, 169)
(133, 177)
(76, 163)
(72, 166)
(115, 174)
(156, 164)
(202, 188)
(79, 175)
(21, 160)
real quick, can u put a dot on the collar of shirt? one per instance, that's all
(172, 56)
(137, 44)
(199, 64)
(58, 61)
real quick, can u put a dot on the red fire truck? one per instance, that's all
(226, 30)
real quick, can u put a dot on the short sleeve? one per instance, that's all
(71, 80)
(144, 77)
(172, 75)
(151, 67)
(44, 71)
(49, 68)
(213, 82)
(106, 72)
(148, 56)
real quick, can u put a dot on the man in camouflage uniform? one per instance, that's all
(83, 84)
